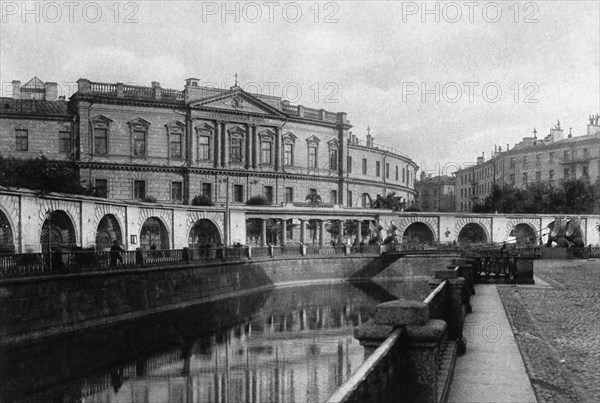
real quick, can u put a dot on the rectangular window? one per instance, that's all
(312, 157)
(100, 141)
(377, 168)
(139, 143)
(64, 142)
(512, 162)
(387, 170)
(333, 159)
(551, 175)
(175, 145)
(176, 191)
(139, 190)
(287, 155)
(266, 153)
(289, 195)
(238, 193)
(538, 159)
(396, 172)
(586, 153)
(585, 172)
(364, 166)
(403, 175)
(349, 198)
(22, 140)
(268, 193)
(349, 163)
(333, 198)
(101, 188)
(207, 189)
(538, 176)
(566, 155)
(203, 148)
(235, 152)
(551, 158)
(566, 173)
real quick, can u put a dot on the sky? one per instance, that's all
(442, 82)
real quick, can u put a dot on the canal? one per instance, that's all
(288, 344)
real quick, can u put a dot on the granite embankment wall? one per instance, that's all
(42, 306)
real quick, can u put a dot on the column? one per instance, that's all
(217, 144)
(277, 148)
(247, 147)
(224, 146)
(263, 232)
(321, 233)
(254, 147)
(358, 231)
(303, 231)
(283, 232)
(340, 237)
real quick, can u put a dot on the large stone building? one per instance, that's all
(164, 145)
(551, 159)
(435, 193)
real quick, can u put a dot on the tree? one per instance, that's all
(202, 200)
(389, 201)
(257, 200)
(42, 175)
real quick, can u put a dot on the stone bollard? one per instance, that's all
(139, 257)
(456, 309)
(416, 362)
(249, 252)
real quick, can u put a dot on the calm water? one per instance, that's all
(290, 344)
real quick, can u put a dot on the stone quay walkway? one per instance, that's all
(492, 370)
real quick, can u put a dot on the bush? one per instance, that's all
(202, 200)
(257, 201)
(149, 199)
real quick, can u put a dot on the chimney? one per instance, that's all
(62, 98)
(507, 148)
(50, 91)
(16, 89)
(570, 134)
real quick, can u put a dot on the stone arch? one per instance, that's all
(57, 230)
(204, 232)
(154, 234)
(418, 233)
(107, 232)
(365, 200)
(430, 221)
(472, 233)
(524, 234)
(7, 240)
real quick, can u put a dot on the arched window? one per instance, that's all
(365, 200)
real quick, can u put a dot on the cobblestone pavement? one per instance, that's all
(558, 329)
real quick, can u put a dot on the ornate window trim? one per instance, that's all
(333, 147)
(288, 139)
(100, 122)
(236, 133)
(138, 125)
(175, 127)
(267, 136)
(312, 142)
(21, 128)
(208, 131)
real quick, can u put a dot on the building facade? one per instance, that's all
(435, 193)
(151, 144)
(551, 159)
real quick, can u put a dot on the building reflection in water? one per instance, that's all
(298, 348)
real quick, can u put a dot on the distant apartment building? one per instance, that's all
(435, 193)
(553, 158)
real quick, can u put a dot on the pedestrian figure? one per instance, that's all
(115, 254)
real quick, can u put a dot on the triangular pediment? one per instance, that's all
(237, 101)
